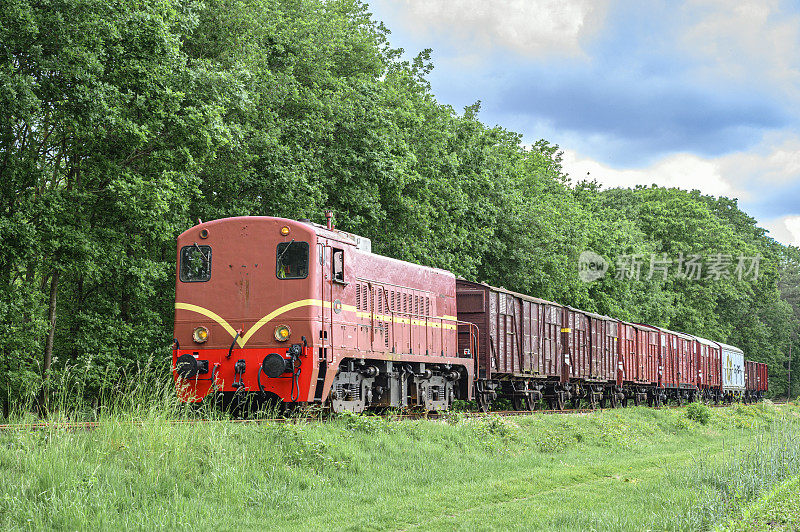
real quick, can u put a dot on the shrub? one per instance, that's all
(698, 412)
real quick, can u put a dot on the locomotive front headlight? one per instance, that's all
(282, 333)
(200, 334)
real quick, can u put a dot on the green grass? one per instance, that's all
(779, 509)
(628, 469)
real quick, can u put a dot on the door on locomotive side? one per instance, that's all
(335, 278)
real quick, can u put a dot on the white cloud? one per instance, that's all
(744, 40)
(776, 161)
(529, 27)
(772, 165)
(680, 170)
(785, 229)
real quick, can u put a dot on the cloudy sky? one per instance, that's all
(698, 94)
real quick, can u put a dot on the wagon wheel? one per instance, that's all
(483, 404)
(531, 404)
(593, 401)
(614, 401)
(604, 402)
(659, 400)
(519, 402)
(680, 399)
(636, 399)
(556, 402)
(576, 403)
(625, 402)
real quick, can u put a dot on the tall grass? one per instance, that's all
(742, 473)
(610, 470)
(146, 392)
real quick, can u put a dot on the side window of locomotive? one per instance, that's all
(292, 260)
(338, 265)
(195, 264)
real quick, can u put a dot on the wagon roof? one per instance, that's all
(730, 347)
(512, 293)
(676, 333)
(706, 341)
(592, 314)
(645, 327)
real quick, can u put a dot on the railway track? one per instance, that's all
(90, 425)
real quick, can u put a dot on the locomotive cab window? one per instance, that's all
(338, 265)
(292, 260)
(195, 264)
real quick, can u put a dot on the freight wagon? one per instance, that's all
(709, 368)
(520, 354)
(641, 363)
(755, 381)
(732, 363)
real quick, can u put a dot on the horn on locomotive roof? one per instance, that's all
(329, 217)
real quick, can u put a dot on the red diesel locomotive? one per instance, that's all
(304, 313)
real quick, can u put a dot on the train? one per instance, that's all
(300, 313)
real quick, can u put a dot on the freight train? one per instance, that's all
(303, 313)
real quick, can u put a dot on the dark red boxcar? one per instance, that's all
(755, 380)
(593, 355)
(639, 346)
(679, 359)
(649, 346)
(708, 365)
(519, 334)
(750, 376)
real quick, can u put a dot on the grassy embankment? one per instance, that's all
(630, 469)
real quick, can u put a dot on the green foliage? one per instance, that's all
(698, 412)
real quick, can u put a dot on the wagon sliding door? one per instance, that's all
(551, 340)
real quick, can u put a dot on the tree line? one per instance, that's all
(123, 122)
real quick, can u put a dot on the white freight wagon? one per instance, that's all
(732, 372)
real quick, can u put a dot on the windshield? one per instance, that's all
(195, 263)
(292, 262)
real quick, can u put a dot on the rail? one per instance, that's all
(88, 425)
